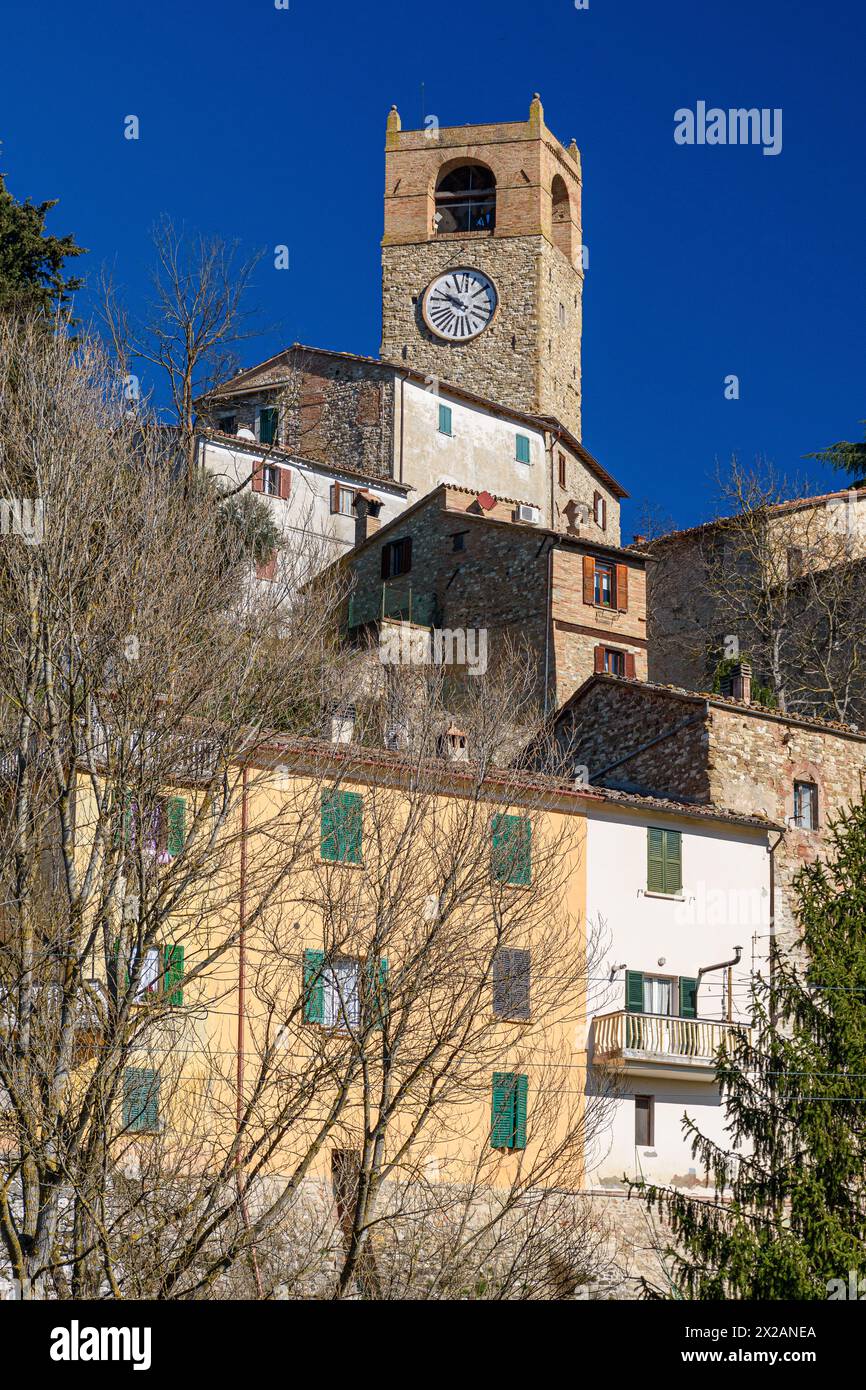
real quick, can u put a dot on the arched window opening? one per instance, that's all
(466, 200)
(561, 215)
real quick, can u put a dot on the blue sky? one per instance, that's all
(704, 261)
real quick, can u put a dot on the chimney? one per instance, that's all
(342, 728)
(453, 745)
(738, 682)
(639, 540)
(367, 508)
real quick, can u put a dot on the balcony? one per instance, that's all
(660, 1044)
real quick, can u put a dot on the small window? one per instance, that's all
(445, 419)
(664, 860)
(151, 975)
(268, 420)
(342, 827)
(512, 849)
(605, 585)
(271, 480)
(341, 994)
(140, 1100)
(599, 508)
(664, 995)
(806, 805)
(458, 540)
(644, 1121)
(508, 1111)
(511, 983)
(227, 424)
(561, 467)
(397, 558)
(342, 500)
(613, 661)
(562, 313)
(795, 561)
(521, 448)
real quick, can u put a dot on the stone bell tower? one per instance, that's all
(482, 273)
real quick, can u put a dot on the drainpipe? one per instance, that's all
(548, 626)
(722, 965)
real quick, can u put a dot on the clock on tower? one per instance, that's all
(482, 276)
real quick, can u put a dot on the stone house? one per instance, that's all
(720, 751)
(471, 567)
(778, 585)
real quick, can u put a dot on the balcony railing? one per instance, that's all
(660, 1037)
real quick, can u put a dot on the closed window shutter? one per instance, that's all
(655, 876)
(511, 983)
(350, 827)
(521, 1093)
(673, 861)
(140, 1099)
(267, 425)
(688, 997)
(285, 483)
(630, 665)
(599, 660)
(258, 476)
(173, 974)
(328, 843)
(314, 987)
(522, 452)
(512, 849)
(588, 579)
(502, 1111)
(622, 588)
(634, 991)
(445, 419)
(176, 816)
(335, 497)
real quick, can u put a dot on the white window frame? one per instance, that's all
(341, 982)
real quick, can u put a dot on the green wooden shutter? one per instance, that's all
(173, 974)
(351, 827)
(140, 1100)
(314, 987)
(502, 1111)
(673, 861)
(512, 849)
(176, 818)
(521, 1092)
(655, 873)
(268, 425)
(444, 419)
(377, 991)
(634, 991)
(329, 826)
(342, 827)
(521, 448)
(688, 997)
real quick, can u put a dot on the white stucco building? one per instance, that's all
(682, 900)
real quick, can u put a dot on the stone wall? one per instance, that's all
(332, 410)
(723, 753)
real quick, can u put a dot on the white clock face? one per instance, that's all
(459, 304)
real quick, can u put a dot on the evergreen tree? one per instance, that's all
(789, 1213)
(31, 261)
(845, 457)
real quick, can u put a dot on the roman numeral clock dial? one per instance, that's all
(459, 305)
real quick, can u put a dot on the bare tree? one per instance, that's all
(780, 580)
(196, 319)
